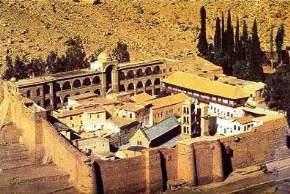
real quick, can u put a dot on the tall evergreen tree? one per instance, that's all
(202, 41)
(229, 35)
(279, 41)
(244, 40)
(254, 59)
(271, 42)
(237, 41)
(223, 33)
(217, 35)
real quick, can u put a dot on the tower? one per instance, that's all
(187, 119)
(204, 120)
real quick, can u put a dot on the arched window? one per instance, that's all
(87, 82)
(139, 84)
(157, 81)
(130, 87)
(130, 74)
(148, 71)
(97, 91)
(46, 89)
(148, 83)
(156, 70)
(139, 73)
(65, 99)
(96, 80)
(77, 83)
(66, 86)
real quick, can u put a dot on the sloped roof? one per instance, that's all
(245, 119)
(132, 107)
(204, 85)
(141, 98)
(161, 128)
(168, 100)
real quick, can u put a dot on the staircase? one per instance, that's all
(19, 173)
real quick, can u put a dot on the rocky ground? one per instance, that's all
(150, 28)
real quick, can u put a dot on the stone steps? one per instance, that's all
(19, 173)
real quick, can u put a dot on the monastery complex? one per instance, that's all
(136, 127)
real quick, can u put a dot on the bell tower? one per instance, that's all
(187, 119)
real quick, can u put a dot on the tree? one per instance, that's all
(217, 35)
(75, 56)
(240, 69)
(244, 41)
(20, 68)
(10, 71)
(255, 37)
(229, 35)
(53, 64)
(36, 67)
(223, 33)
(271, 41)
(120, 52)
(279, 41)
(278, 89)
(238, 46)
(202, 44)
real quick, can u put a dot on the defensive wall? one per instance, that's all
(195, 161)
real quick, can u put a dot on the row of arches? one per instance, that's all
(141, 72)
(140, 85)
(67, 85)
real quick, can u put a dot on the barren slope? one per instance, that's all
(165, 28)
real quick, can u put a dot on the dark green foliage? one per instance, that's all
(278, 89)
(202, 44)
(75, 56)
(120, 52)
(240, 69)
(223, 33)
(35, 68)
(20, 68)
(53, 64)
(279, 41)
(217, 35)
(271, 41)
(10, 71)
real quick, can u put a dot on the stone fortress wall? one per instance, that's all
(196, 162)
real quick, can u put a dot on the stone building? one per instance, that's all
(104, 76)
(164, 133)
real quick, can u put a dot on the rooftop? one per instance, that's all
(168, 100)
(245, 119)
(161, 128)
(78, 111)
(122, 122)
(141, 98)
(83, 96)
(132, 107)
(204, 85)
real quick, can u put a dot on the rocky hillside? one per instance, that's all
(151, 28)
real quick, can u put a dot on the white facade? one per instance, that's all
(224, 111)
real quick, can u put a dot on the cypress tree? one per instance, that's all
(255, 68)
(279, 41)
(255, 37)
(202, 42)
(229, 35)
(244, 40)
(217, 35)
(271, 41)
(237, 41)
(223, 32)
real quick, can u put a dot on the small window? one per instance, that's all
(71, 118)
(38, 92)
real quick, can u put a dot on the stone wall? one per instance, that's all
(267, 142)
(141, 174)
